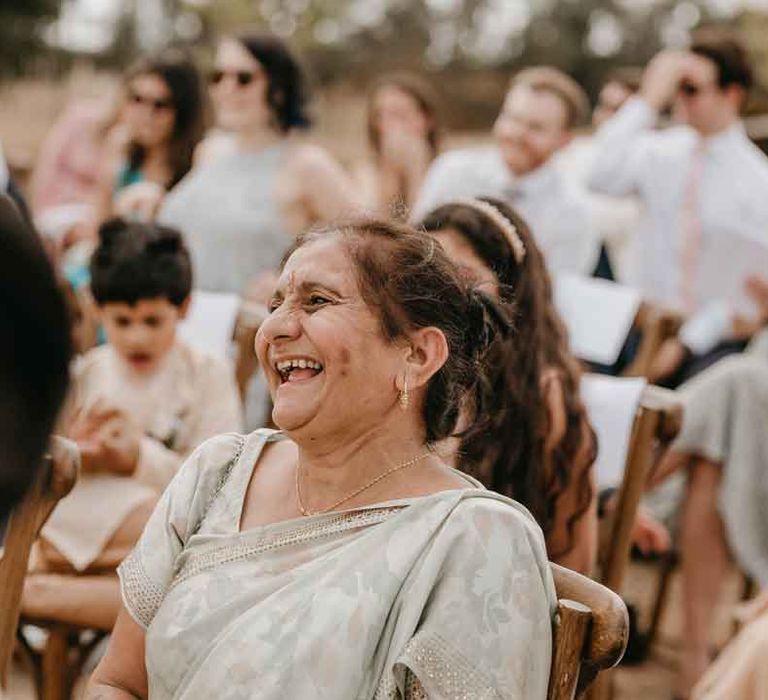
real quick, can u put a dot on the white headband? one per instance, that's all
(502, 222)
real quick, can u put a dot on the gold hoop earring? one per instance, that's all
(405, 399)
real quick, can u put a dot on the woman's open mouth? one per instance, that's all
(298, 369)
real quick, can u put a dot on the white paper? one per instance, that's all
(210, 322)
(611, 404)
(598, 315)
(724, 264)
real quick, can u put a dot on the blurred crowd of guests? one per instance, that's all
(664, 193)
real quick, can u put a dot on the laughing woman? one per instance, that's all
(341, 558)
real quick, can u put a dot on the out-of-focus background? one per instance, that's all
(52, 50)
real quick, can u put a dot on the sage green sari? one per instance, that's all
(442, 596)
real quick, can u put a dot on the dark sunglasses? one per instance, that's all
(156, 105)
(242, 77)
(689, 89)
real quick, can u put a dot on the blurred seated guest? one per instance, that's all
(10, 188)
(164, 122)
(537, 119)
(538, 446)
(723, 449)
(34, 354)
(403, 133)
(140, 404)
(614, 218)
(65, 178)
(240, 210)
(740, 670)
(702, 188)
(264, 548)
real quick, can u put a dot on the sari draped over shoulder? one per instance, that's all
(442, 596)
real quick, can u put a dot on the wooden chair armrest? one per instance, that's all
(54, 480)
(609, 631)
(670, 409)
(656, 325)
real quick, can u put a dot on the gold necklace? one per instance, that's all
(387, 473)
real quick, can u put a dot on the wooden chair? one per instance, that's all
(656, 325)
(590, 633)
(55, 480)
(657, 422)
(83, 319)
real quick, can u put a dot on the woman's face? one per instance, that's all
(470, 265)
(149, 112)
(239, 89)
(396, 110)
(329, 368)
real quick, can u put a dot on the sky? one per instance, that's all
(87, 25)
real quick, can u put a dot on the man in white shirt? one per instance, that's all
(702, 186)
(541, 109)
(614, 218)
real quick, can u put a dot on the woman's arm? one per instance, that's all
(121, 674)
(328, 192)
(583, 537)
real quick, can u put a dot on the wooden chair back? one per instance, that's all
(656, 325)
(657, 422)
(590, 633)
(54, 481)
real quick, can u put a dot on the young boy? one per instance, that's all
(141, 403)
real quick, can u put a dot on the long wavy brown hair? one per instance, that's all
(181, 77)
(508, 452)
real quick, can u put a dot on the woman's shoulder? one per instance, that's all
(211, 465)
(308, 158)
(503, 531)
(484, 510)
(220, 453)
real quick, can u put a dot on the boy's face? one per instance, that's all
(142, 334)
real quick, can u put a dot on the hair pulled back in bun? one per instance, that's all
(409, 283)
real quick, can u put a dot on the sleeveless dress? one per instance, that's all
(229, 215)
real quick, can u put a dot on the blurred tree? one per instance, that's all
(22, 25)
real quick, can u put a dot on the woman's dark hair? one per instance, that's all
(34, 354)
(509, 455)
(286, 84)
(136, 261)
(188, 101)
(416, 88)
(409, 283)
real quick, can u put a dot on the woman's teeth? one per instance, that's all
(298, 364)
(287, 367)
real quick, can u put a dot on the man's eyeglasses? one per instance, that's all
(156, 105)
(242, 77)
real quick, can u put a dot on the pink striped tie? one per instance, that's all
(691, 229)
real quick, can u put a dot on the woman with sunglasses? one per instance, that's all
(240, 207)
(163, 121)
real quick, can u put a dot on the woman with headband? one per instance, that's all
(537, 446)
